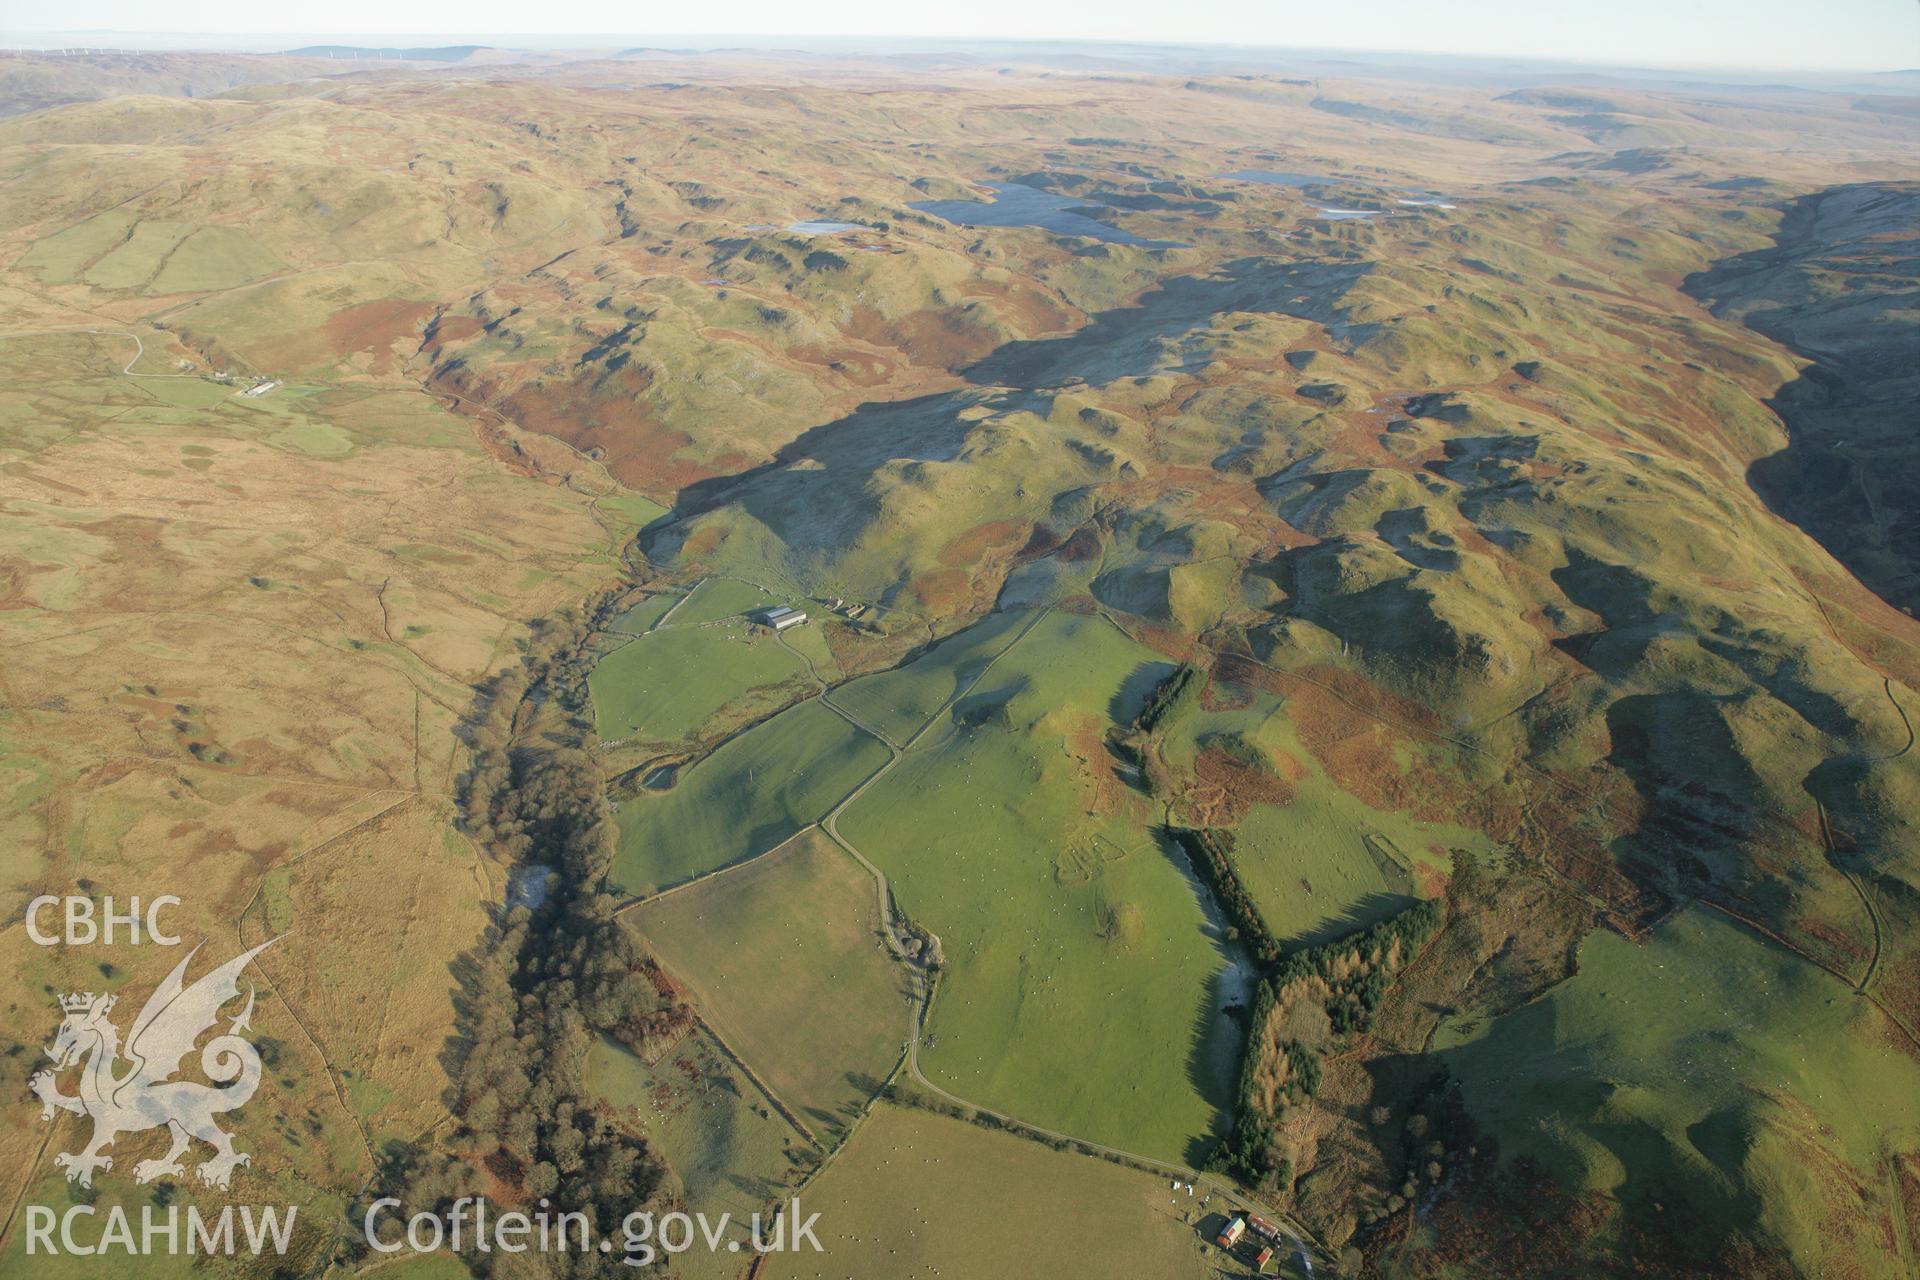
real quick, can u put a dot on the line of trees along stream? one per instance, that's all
(554, 970)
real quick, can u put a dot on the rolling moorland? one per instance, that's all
(1365, 665)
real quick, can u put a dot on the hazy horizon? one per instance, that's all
(1721, 35)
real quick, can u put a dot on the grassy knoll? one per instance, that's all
(730, 1148)
(898, 702)
(785, 960)
(917, 1194)
(1079, 959)
(1309, 866)
(662, 688)
(1701, 1063)
(749, 795)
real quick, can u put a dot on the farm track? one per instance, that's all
(1833, 851)
(139, 348)
(1860, 891)
(1770, 936)
(1887, 683)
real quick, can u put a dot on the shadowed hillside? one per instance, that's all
(1841, 287)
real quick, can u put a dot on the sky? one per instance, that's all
(1799, 34)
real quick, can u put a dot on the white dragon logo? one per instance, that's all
(145, 1096)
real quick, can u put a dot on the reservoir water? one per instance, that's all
(1015, 205)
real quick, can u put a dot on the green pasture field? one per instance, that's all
(785, 960)
(641, 616)
(1081, 965)
(921, 1195)
(716, 598)
(663, 687)
(899, 701)
(751, 793)
(64, 255)
(636, 509)
(214, 258)
(135, 262)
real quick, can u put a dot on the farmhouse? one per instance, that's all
(1230, 1234)
(780, 617)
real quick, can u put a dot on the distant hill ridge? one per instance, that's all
(438, 53)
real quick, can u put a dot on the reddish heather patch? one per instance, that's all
(1222, 695)
(1083, 545)
(703, 541)
(1370, 698)
(447, 329)
(861, 368)
(1836, 946)
(639, 451)
(927, 338)
(1515, 1222)
(940, 590)
(1896, 984)
(970, 547)
(1164, 638)
(1359, 438)
(1032, 313)
(1041, 541)
(374, 328)
(610, 420)
(1225, 788)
